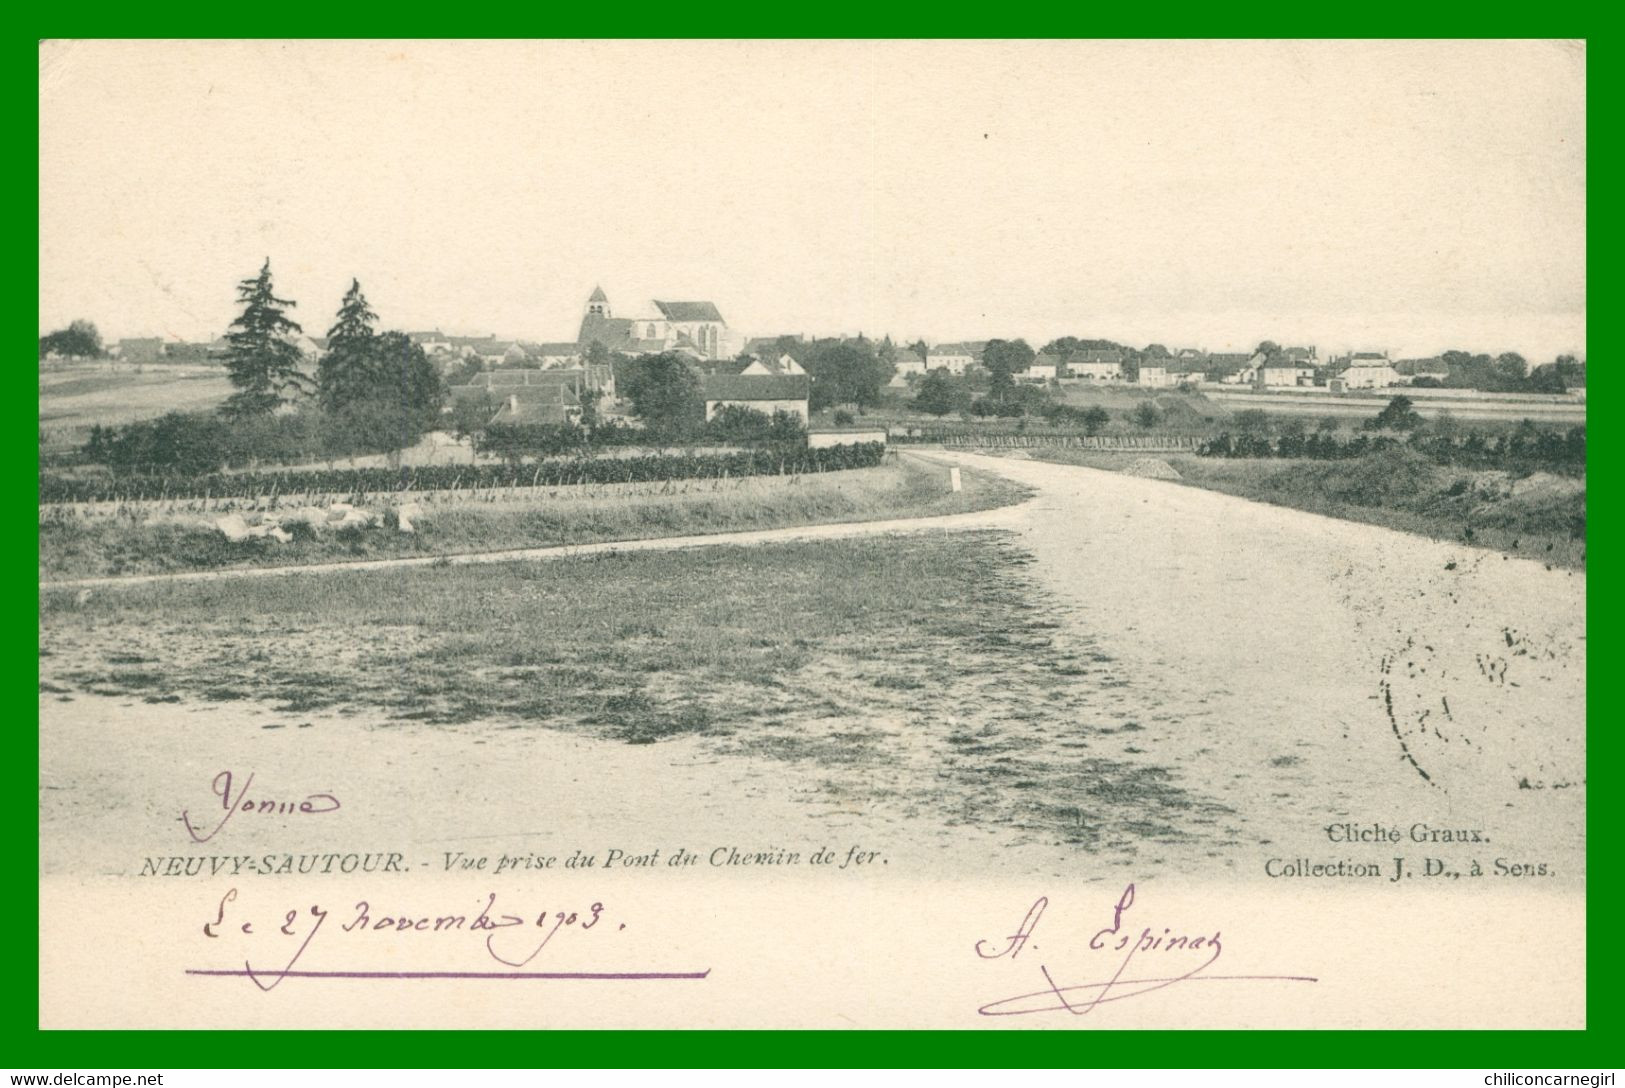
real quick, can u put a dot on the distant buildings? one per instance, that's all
(908, 362)
(955, 358)
(765, 393)
(1226, 367)
(1155, 376)
(1044, 368)
(554, 396)
(692, 328)
(784, 364)
(1363, 370)
(1284, 369)
(1095, 364)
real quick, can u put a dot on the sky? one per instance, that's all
(1401, 196)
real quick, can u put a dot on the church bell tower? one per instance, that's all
(598, 303)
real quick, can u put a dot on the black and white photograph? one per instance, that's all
(812, 534)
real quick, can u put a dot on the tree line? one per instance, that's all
(371, 392)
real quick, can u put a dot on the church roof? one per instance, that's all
(688, 311)
(615, 333)
(597, 295)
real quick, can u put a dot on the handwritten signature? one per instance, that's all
(1161, 960)
(233, 803)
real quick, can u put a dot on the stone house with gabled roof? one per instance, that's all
(765, 393)
(1095, 364)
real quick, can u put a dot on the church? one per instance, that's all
(692, 328)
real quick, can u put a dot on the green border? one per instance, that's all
(26, 1047)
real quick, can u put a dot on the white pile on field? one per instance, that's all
(337, 517)
(1152, 468)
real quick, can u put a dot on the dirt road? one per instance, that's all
(1320, 670)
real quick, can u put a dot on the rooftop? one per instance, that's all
(756, 387)
(688, 311)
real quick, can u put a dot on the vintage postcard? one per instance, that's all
(812, 534)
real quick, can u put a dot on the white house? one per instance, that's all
(1096, 364)
(765, 393)
(909, 363)
(1155, 376)
(1369, 376)
(1281, 372)
(954, 358)
(1368, 370)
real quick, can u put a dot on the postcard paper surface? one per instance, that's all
(994, 535)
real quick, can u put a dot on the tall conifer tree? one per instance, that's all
(261, 361)
(347, 371)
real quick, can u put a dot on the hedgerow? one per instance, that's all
(58, 488)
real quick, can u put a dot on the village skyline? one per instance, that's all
(1356, 335)
(1416, 196)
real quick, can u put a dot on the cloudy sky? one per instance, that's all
(1410, 196)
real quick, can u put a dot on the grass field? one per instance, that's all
(75, 396)
(72, 545)
(1541, 517)
(921, 674)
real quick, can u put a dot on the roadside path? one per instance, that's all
(980, 519)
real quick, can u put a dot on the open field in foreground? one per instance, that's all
(900, 679)
(1540, 516)
(73, 546)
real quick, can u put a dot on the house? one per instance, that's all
(696, 329)
(539, 396)
(1279, 371)
(954, 358)
(1190, 358)
(1043, 368)
(433, 343)
(1229, 368)
(765, 393)
(1096, 364)
(761, 347)
(494, 352)
(909, 363)
(1155, 376)
(1365, 370)
(552, 406)
(140, 349)
(784, 364)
